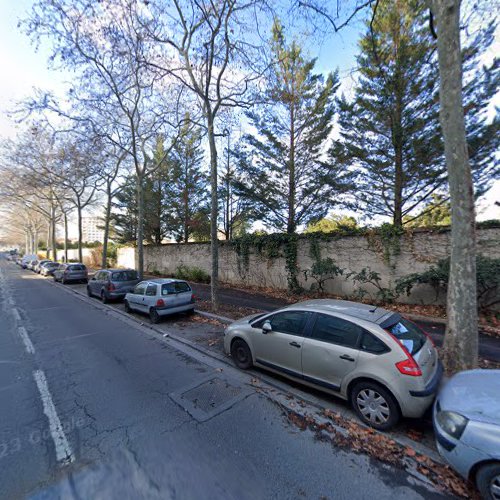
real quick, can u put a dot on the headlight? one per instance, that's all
(452, 423)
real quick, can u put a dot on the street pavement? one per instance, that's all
(92, 405)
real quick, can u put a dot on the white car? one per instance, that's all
(160, 297)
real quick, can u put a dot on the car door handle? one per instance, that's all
(295, 344)
(347, 357)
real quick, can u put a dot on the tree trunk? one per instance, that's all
(107, 216)
(291, 176)
(65, 237)
(461, 338)
(53, 233)
(214, 244)
(80, 249)
(140, 227)
(49, 237)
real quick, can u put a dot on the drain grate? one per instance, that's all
(209, 398)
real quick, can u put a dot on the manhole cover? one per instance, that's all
(208, 398)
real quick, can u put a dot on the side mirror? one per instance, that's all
(266, 328)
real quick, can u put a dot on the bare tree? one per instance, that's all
(205, 46)
(115, 94)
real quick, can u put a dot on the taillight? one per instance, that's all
(160, 303)
(409, 367)
(194, 297)
(111, 287)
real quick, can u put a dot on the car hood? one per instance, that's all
(475, 394)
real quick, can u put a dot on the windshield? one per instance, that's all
(409, 334)
(124, 276)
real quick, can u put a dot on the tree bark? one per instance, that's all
(80, 233)
(140, 227)
(461, 337)
(214, 243)
(53, 233)
(107, 216)
(65, 237)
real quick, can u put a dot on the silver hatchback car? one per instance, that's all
(160, 297)
(382, 363)
(111, 284)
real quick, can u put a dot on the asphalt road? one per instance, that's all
(94, 406)
(489, 348)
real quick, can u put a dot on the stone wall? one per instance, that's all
(417, 251)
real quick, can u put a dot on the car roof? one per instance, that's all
(366, 312)
(163, 281)
(115, 270)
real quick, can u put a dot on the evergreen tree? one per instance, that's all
(437, 212)
(286, 174)
(390, 131)
(123, 220)
(236, 212)
(186, 208)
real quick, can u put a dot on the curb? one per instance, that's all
(221, 319)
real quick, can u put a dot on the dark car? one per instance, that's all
(112, 283)
(71, 272)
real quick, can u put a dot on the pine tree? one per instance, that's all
(286, 174)
(390, 132)
(186, 208)
(123, 220)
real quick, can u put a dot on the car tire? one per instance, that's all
(154, 316)
(384, 414)
(241, 354)
(126, 306)
(487, 478)
(104, 297)
(89, 293)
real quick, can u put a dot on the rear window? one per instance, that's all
(409, 334)
(76, 268)
(176, 287)
(124, 276)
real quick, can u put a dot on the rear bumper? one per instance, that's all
(433, 384)
(171, 310)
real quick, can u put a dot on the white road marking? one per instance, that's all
(64, 454)
(26, 340)
(16, 314)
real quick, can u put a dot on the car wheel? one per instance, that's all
(488, 481)
(375, 405)
(241, 354)
(89, 293)
(154, 316)
(104, 297)
(126, 306)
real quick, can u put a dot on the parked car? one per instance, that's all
(26, 260)
(467, 428)
(112, 283)
(71, 272)
(160, 297)
(48, 268)
(40, 264)
(385, 365)
(32, 264)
